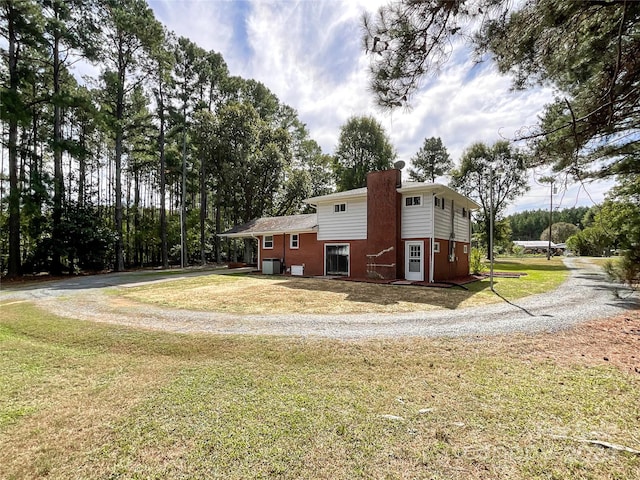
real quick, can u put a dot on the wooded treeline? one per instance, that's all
(145, 162)
(530, 224)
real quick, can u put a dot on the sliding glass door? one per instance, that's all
(336, 259)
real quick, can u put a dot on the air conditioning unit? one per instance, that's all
(271, 266)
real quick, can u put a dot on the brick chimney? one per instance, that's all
(384, 253)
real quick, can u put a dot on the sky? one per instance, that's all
(308, 53)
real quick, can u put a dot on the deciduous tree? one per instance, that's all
(363, 147)
(560, 231)
(493, 176)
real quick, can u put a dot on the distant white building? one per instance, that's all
(540, 246)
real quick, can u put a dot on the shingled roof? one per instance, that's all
(275, 225)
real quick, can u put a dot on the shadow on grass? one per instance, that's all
(381, 294)
(511, 266)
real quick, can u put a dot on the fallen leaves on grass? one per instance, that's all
(611, 341)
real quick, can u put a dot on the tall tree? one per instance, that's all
(586, 49)
(131, 34)
(431, 161)
(591, 128)
(363, 147)
(410, 39)
(21, 27)
(162, 61)
(204, 128)
(493, 176)
(69, 33)
(189, 78)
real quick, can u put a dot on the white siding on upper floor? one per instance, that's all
(443, 219)
(417, 219)
(461, 225)
(348, 225)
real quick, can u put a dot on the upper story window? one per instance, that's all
(267, 241)
(464, 213)
(340, 207)
(439, 202)
(294, 241)
(412, 201)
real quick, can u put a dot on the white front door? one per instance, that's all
(414, 261)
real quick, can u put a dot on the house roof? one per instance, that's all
(407, 187)
(275, 225)
(357, 192)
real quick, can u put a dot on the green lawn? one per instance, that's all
(82, 400)
(251, 294)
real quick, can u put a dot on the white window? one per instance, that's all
(436, 247)
(464, 213)
(412, 201)
(340, 207)
(436, 201)
(466, 249)
(267, 241)
(294, 241)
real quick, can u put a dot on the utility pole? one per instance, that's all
(491, 222)
(550, 216)
(491, 231)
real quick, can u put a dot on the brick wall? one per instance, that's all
(383, 223)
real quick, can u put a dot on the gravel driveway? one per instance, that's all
(585, 295)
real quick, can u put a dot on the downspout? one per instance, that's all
(284, 252)
(259, 266)
(452, 239)
(469, 228)
(433, 237)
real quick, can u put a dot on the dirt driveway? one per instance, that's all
(585, 296)
(586, 320)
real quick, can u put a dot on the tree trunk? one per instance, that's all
(183, 203)
(119, 247)
(58, 177)
(82, 166)
(137, 244)
(203, 208)
(218, 227)
(163, 180)
(14, 264)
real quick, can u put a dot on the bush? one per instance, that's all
(518, 251)
(476, 261)
(624, 270)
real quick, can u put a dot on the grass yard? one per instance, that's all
(84, 400)
(257, 294)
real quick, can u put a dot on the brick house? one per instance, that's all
(387, 230)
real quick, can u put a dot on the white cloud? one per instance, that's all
(308, 52)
